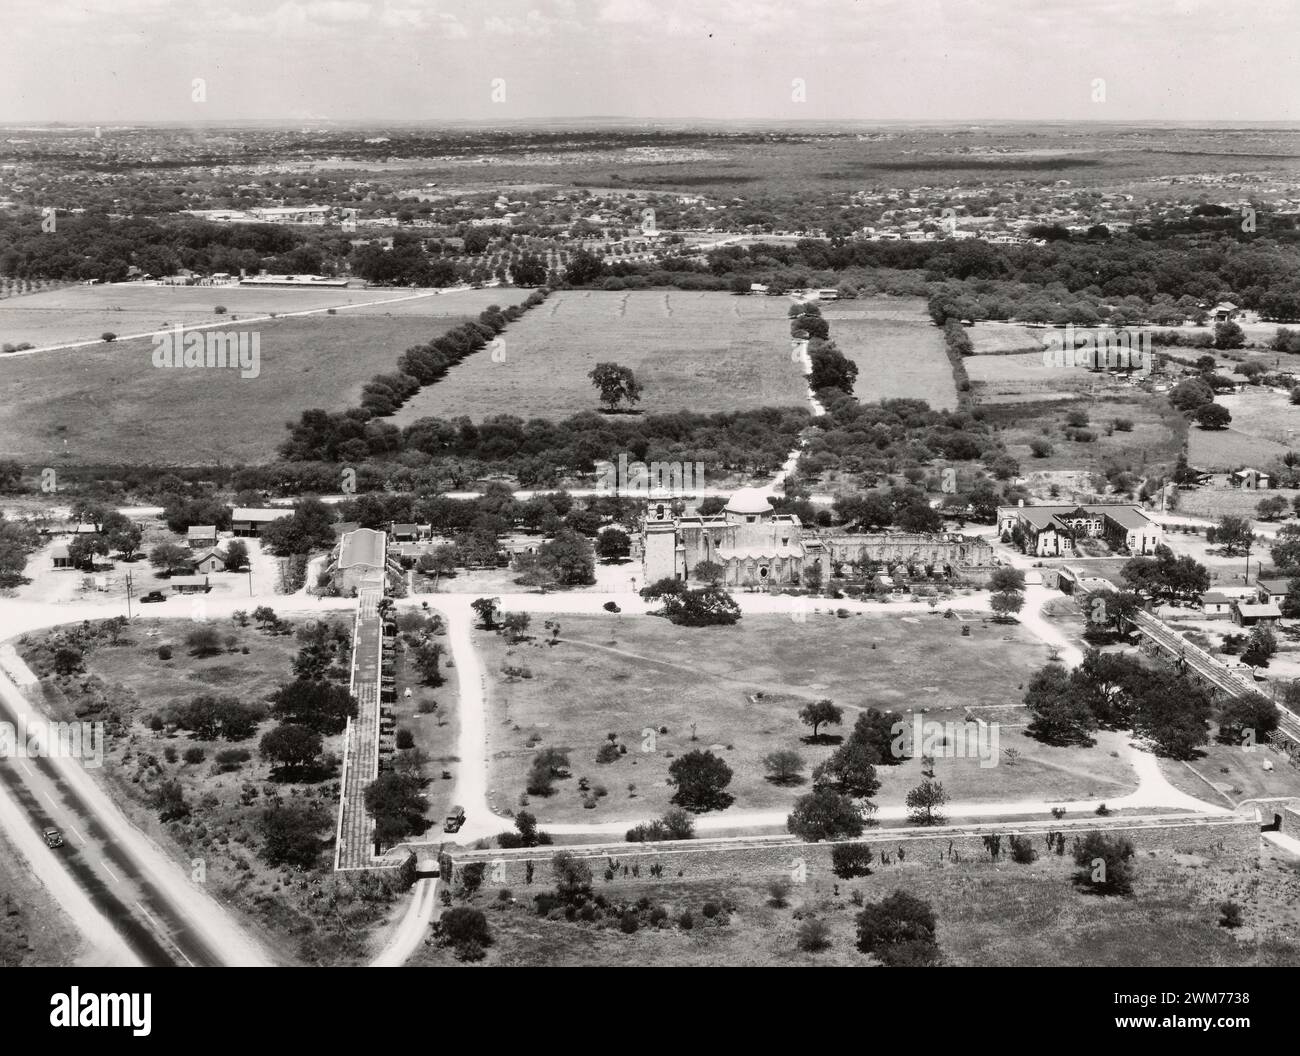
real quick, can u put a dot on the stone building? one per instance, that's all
(760, 548)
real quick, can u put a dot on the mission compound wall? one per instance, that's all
(1236, 834)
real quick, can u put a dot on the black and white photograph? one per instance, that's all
(650, 483)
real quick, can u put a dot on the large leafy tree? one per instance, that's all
(825, 814)
(616, 384)
(701, 779)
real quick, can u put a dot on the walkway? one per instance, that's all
(355, 844)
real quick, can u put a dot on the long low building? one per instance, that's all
(250, 520)
(361, 560)
(1051, 531)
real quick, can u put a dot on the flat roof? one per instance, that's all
(365, 546)
(260, 513)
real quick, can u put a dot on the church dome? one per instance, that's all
(748, 502)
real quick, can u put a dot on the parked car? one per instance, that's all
(52, 836)
(154, 595)
(455, 819)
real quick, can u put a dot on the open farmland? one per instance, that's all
(84, 313)
(690, 351)
(898, 350)
(738, 689)
(108, 403)
(993, 338)
(1154, 437)
(1264, 425)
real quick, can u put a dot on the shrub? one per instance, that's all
(232, 758)
(851, 859)
(1230, 915)
(778, 892)
(1022, 850)
(195, 754)
(164, 652)
(686, 921)
(814, 935)
(608, 753)
(711, 910)
(628, 923)
(405, 739)
(465, 929)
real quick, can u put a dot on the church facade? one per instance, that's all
(758, 548)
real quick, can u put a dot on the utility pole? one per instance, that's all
(250, 579)
(128, 595)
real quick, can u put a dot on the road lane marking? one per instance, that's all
(51, 799)
(79, 836)
(109, 871)
(159, 928)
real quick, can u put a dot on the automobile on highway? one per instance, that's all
(52, 836)
(154, 595)
(455, 819)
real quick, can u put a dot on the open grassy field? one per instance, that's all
(109, 403)
(83, 313)
(739, 690)
(1215, 501)
(1154, 439)
(689, 351)
(989, 914)
(992, 338)
(1265, 424)
(898, 350)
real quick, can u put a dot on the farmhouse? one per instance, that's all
(360, 560)
(211, 561)
(1051, 531)
(1249, 613)
(59, 557)
(1215, 604)
(1250, 479)
(250, 520)
(1271, 589)
(201, 536)
(189, 584)
(410, 533)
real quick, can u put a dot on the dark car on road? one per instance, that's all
(455, 819)
(154, 595)
(52, 836)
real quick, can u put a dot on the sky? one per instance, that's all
(107, 61)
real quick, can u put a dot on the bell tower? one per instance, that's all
(659, 549)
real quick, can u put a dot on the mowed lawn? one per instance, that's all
(738, 690)
(988, 914)
(690, 351)
(109, 403)
(84, 313)
(898, 351)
